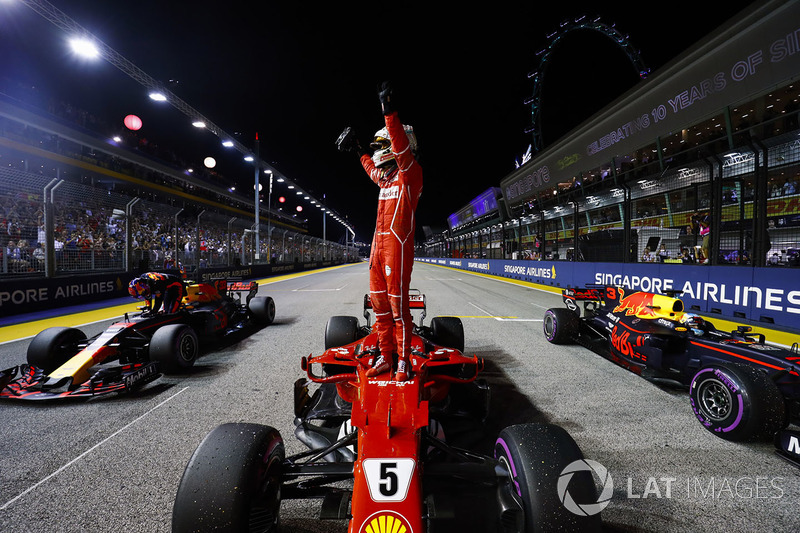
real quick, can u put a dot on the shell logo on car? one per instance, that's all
(386, 522)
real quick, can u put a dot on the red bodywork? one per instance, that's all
(387, 487)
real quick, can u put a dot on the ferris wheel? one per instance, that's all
(544, 55)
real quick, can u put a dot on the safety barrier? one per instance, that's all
(768, 296)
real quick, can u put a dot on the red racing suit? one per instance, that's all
(392, 255)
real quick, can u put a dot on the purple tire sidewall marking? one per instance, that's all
(502, 443)
(736, 393)
(739, 417)
(554, 323)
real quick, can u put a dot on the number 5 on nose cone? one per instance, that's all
(388, 479)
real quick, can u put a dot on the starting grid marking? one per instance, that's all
(87, 452)
(500, 318)
(304, 289)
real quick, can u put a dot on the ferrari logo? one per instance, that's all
(386, 522)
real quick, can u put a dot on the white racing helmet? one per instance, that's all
(382, 145)
(693, 322)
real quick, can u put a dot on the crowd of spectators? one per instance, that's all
(88, 232)
(89, 235)
(789, 187)
(202, 182)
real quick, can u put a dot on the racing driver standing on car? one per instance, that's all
(394, 168)
(163, 292)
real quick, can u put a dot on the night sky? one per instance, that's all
(297, 75)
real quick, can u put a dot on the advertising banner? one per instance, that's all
(19, 296)
(756, 55)
(767, 295)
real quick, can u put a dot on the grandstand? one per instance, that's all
(711, 137)
(74, 202)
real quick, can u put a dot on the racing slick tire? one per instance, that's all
(262, 308)
(560, 325)
(536, 456)
(737, 402)
(175, 348)
(232, 482)
(53, 347)
(448, 331)
(340, 331)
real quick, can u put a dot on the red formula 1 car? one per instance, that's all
(63, 363)
(739, 386)
(381, 454)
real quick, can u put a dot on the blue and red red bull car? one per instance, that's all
(740, 387)
(63, 363)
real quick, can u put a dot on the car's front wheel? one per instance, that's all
(53, 347)
(553, 497)
(232, 482)
(737, 402)
(175, 348)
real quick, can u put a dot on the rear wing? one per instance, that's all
(591, 296)
(240, 287)
(640, 303)
(416, 301)
(582, 294)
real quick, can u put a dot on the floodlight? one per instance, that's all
(84, 47)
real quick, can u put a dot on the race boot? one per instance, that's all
(403, 370)
(380, 366)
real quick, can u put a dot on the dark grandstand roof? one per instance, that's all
(732, 64)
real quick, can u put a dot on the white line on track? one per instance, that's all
(484, 311)
(503, 318)
(302, 289)
(84, 454)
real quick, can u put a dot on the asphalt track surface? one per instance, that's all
(114, 464)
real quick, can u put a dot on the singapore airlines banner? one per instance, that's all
(21, 296)
(752, 55)
(765, 295)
